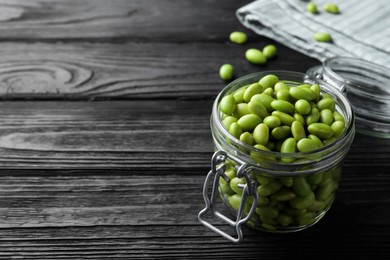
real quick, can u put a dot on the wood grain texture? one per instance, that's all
(126, 70)
(146, 216)
(117, 20)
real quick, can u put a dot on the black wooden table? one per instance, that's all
(105, 139)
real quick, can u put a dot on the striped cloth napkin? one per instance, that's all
(360, 30)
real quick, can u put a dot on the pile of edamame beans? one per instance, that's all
(271, 115)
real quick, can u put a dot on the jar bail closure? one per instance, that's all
(217, 171)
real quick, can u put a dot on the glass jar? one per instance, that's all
(273, 191)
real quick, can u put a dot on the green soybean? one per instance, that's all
(331, 8)
(239, 94)
(268, 81)
(247, 138)
(289, 145)
(235, 130)
(285, 219)
(302, 93)
(321, 130)
(297, 130)
(238, 37)
(255, 56)
(325, 191)
(249, 122)
(322, 37)
(313, 117)
(312, 8)
(315, 179)
(241, 110)
(301, 187)
(303, 202)
(284, 194)
(228, 104)
(281, 85)
(283, 106)
(283, 94)
(270, 51)
(268, 189)
(307, 145)
(272, 122)
(317, 90)
(252, 90)
(265, 100)
(338, 128)
(226, 72)
(228, 121)
(326, 103)
(285, 118)
(267, 211)
(326, 116)
(269, 92)
(299, 118)
(261, 134)
(235, 201)
(316, 140)
(303, 107)
(338, 117)
(281, 132)
(234, 184)
(287, 181)
(257, 108)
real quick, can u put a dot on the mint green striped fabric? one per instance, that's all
(361, 30)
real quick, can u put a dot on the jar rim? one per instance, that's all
(216, 119)
(367, 86)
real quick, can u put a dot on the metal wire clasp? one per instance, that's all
(249, 188)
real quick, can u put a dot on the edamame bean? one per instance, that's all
(283, 94)
(272, 122)
(326, 116)
(317, 90)
(226, 72)
(238, 37)
(283, 106)
(281, 85)
(313, 117)
(281, 132)
(249, 122)
(252, 90)
(235, 201)
(322, 37)
(241, 110)
(261, 134)
(289, 145)
(326, 103)
(234, 184)
(338, 117)
(316, 140)
(303, 107)
(255, 107)
(228, 121)
(269, 92)
(268, 81)
(321, 130)
(284, 194)
(297, 130)
(331, 8)
(302, 93)
(268, 189)
(307, 145)
(285, 220)
(301, 187)
(299, 118)
(239, 94)
(287, 181)
(270, 51)
(312, 8)
(303, 202)
(267, 211)
(247, 138)
(325, 191)
(315, 179)
(265, 100)
(338, 128)
(255, 56)
(286, 119)
(235, 130)
(227, 104)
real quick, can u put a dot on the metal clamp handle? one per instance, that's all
(248, 189)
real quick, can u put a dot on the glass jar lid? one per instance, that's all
(367, 87)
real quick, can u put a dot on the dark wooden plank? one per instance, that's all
(118, 20)
(128, 70)
(134, 135)
(88, 218)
